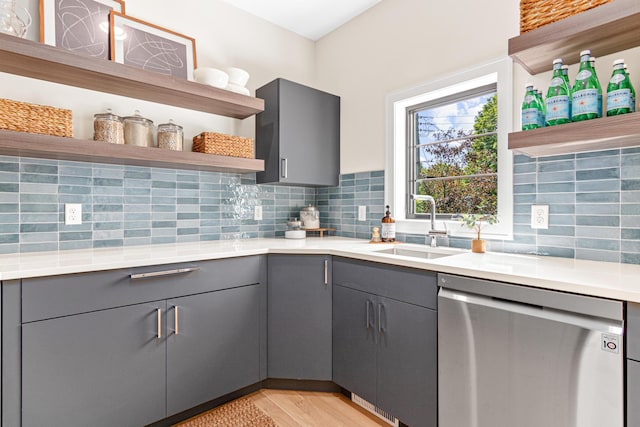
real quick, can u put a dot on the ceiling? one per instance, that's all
(310, 18)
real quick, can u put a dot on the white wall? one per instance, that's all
(399, 44)
(225, 36)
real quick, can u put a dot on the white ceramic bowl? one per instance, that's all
(238, 89)
(237, 76)
(211, 76)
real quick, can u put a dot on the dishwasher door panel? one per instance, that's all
(503, 364)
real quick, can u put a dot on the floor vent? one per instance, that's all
(384, 415)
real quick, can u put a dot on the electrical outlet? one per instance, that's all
(362, 213)
(257, 213)
(73, 214)
(540, 216)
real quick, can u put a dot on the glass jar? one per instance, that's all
(138, 130)
(310, 217)
(108, 127)
(170, 136)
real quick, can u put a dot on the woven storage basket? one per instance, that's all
(536, 13)
(223, 145)
(32, 118)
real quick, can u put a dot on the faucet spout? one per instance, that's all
(432, 232)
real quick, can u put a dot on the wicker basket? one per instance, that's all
(223, 145)
(32, 118)
(536, 13)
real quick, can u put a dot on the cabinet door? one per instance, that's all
(298, 135)
(633, 393)
(354, 341)
(299, 317)
(104, 368)
(215, 348)
(407, 362)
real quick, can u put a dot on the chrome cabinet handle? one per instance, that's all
(380, 329)
(163, 273)
(326, 272)
(283, 167)
(176, 320)
(159, 312)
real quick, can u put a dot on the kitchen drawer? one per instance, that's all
(633, 331)
(403, 284)
(54, 296)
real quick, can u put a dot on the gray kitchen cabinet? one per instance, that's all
(299, 317)
(104, 368)
(212, 346)
(92, 354)
(633, 393)
(298, 135)
(385, 338)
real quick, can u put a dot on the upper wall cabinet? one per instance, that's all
(606, 29)
(298, 135)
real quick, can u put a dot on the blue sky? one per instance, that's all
(459, 115)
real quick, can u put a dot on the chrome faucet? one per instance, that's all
(432, 232)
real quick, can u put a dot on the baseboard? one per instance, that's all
(302, 385)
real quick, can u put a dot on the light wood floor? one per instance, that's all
(310, 409)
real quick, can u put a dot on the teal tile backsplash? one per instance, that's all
(594, 201)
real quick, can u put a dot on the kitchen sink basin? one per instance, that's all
(422, 252)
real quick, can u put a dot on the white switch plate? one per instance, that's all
(362, 213)
(540, 216)
(73, 213)
(257, 213)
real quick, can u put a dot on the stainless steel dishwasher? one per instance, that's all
(516, 356)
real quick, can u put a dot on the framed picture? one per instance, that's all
(147, 46)
(78, 25)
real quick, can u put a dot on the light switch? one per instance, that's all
(540, 216)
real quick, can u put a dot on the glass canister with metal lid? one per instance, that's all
(310, 216)
(170, 136)
(108, 127)
(138, 130)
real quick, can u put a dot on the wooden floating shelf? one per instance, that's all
(43, 62)
(591, 135)
(55, 147)
(605, 29)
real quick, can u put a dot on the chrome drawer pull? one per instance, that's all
(326, 272)
(175, 319)
(159, 311)
(163, 273)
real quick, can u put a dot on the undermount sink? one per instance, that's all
(423, 252)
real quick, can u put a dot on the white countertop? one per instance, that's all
(603, 279)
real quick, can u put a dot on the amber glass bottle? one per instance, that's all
(388, 227)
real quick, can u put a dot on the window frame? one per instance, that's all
(498, 72)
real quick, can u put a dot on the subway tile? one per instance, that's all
(29, 168)
(556, 166)
(38, 247)
(38, 178)
(597, 209)
(110, 243)
(592, 186)
(9, 188)
(598, 220)
(38, 228)
(598, 232)
(598, 255)
(9, 166)
(602, 197)
(564, 187)
(556, 251)
(630, 234)
(627, 258)
(630, 184)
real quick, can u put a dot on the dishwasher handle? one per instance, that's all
(580, 320)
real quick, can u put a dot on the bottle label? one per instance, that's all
(585, 102)
(557, 107)
(529, 99)
(556, 81)
(617, 78)
(530, 116)
(583, 75)
(388, 230)
(620, 98)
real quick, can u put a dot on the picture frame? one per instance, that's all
(150, 47)
(81, 26)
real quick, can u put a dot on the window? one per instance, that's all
(448, 139)
(452, 147)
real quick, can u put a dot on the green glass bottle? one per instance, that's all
(592, 66)
(619, 97)
(633, 90)
(530, 109)
(565, 77)
(584, 96)
(558, 98)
